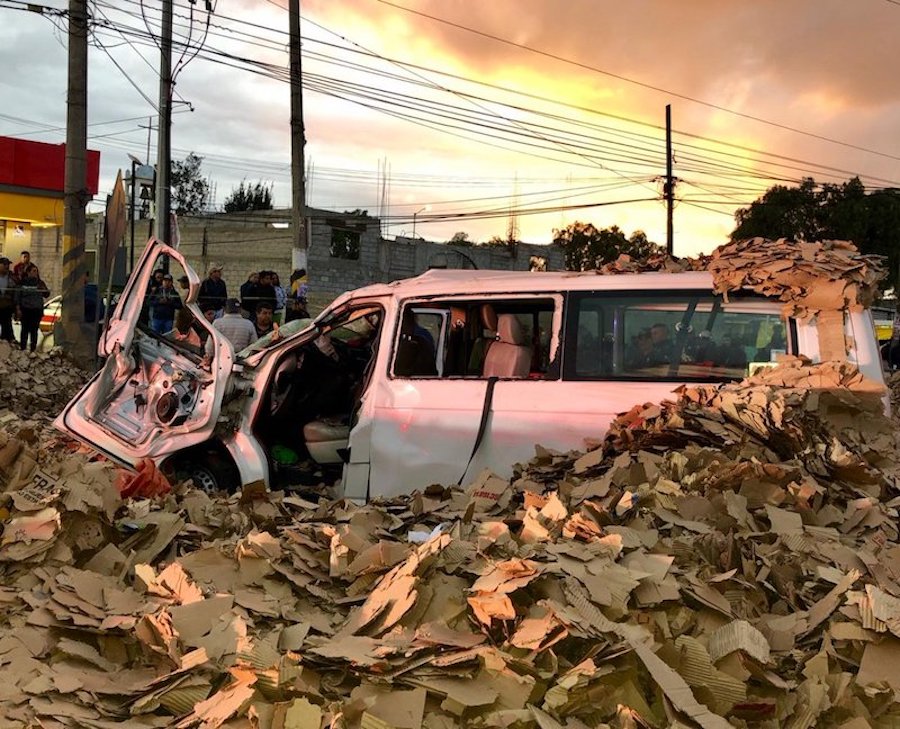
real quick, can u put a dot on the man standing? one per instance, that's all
(164, 302)
(235, 328)
(248, 304)
(263, 292)
(19, 268)
(213, 291)
(7, 300)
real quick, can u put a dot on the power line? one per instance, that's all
(642, 84)
(776, 177)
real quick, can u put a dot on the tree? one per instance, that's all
(460, 238)
(190, 189)
(587, 248)
(826, 212)
(249, 197)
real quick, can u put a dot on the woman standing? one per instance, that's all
(280, 299)
(30, 304)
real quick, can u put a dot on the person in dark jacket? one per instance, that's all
(213, 291)
(164, 302)
(263, 292)
(8, 290)
(248, 303)
(30, 305)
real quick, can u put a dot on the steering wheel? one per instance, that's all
(283, 382)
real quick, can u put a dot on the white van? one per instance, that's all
(427, 380)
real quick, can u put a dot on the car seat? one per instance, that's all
(325, 439)
(509, 355)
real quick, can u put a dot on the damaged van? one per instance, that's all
(426, 380)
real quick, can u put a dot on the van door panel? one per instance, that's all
(154, 395)
(424, 429)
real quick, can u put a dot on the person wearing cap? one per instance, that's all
(234, 327)
(7, 300)
(164, 302)
(22, 265)
(213, 291)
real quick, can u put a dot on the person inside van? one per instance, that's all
(764, 354)
(640, 352)
(662, 347)
(415, 354)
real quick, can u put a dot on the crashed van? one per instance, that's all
(427, 380)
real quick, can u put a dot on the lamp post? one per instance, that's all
(426, 208)
(134, 163)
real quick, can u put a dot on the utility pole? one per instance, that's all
(298, 142)
(164, 138)
(669, 189)
(76, 193)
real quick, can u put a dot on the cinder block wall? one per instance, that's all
(244, 242)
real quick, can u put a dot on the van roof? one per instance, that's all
(438, 282)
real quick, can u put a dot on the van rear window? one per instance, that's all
(677, 337)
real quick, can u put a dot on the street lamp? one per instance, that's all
(134, 163)
(425, 209)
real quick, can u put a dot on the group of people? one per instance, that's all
(262, 306)
(22, 297)
(654, 346)
(264, 289)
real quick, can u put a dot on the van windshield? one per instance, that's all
(677, 337)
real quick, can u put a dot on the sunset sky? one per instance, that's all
(486, 106)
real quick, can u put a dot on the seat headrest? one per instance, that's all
(509, 330)
(488, 317)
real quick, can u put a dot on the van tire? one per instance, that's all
(211, 471)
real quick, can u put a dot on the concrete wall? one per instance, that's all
(244, 242)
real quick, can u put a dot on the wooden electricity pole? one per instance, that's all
(298, 142)
(669, 189)
(76, 192)
(164, 138)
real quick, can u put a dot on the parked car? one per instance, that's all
(428, 380)
(52, 310)
(52, 313)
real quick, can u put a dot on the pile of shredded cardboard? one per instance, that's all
(36, 383)
(729, 559)
(809, 277)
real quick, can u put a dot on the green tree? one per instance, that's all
(249, 197)
(190, 189)
(587, 248)
(843, 211)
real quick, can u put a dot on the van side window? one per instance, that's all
(475, 338)
(691, 337)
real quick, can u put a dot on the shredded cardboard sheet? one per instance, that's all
(728, 558)
(808, 277)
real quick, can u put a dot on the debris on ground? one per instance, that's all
(728, 559)
(36, 384)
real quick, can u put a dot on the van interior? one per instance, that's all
(313, 396)
(476, 338)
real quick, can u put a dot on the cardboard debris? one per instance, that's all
(731, 558)
(36, 384)
(728, 558)
(809, 277)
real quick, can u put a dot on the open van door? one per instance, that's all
(159, 391)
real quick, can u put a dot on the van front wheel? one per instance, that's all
(211, 473)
